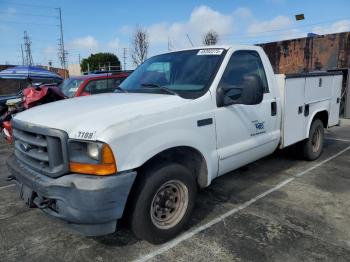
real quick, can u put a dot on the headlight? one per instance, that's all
(94, 158)
(93, 150)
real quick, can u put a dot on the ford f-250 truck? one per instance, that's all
(179, 121)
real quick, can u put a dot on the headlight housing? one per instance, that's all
(93, 158)
(94, 150)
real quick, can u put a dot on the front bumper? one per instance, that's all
(89, 204)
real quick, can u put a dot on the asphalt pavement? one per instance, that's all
(279, 208)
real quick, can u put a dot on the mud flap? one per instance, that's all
(28, 195)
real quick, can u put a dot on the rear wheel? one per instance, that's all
(313, 146)
(163, 202)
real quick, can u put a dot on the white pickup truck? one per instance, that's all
(179, 121)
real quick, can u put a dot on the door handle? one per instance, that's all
(300, 109)
(273, 108)
(307, 110)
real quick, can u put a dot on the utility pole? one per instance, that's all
(62, 52)
(124, 58)
(79, 59)
(189, 39)
(27, 49)
(22, 54)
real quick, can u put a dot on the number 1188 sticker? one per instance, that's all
(86, 135)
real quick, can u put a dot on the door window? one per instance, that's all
(114, 82)
(99, 87)
(243, 76)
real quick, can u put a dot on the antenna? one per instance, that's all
(28, 59)
(189, 39)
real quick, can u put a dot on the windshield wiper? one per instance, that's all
(153, 85)
(121, 89)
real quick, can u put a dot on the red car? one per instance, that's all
(92, 84)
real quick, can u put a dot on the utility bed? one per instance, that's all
(303, 95)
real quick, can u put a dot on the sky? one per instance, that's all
(108, 26)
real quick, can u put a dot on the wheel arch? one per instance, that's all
(323, 115)
(189, 156)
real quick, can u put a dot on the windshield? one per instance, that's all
(186, 73)
(70, 86)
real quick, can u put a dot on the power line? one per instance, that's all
(24, 23)
(293, 34)
(29, 5)
(29, 14)
(290, 28)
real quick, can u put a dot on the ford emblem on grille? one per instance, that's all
(25, 147)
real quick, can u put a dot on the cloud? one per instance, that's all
(238, 25)
(201, 20)
(337, 27)
(277, 23)
(85, 43)
(276, 1)
(9, 12)
(114, 44)
(243, 13)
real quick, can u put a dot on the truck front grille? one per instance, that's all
(41, 149)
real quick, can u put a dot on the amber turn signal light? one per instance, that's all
(106, 167)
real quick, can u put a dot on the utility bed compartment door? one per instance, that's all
(318, 89)
(304, 96)
(294, 120)
(335, 101)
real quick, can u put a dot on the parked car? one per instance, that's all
(3, 100)
(185, 118)
(93, 83)
(42, 94)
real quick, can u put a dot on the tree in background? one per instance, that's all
(100, 61)
(140, 44)
(210, 38)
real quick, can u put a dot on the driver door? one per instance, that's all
(245, 131)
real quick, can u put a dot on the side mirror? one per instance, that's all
(85, 94)
(249, 92)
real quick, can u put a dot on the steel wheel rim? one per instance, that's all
(169, 204)
(316, 140)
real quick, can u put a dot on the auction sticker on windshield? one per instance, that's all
(210, 51)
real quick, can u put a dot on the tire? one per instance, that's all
(163, 202)
(313, 146)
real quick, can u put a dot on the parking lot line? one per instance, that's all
(3, 187)
(338, 139)
(187, 235)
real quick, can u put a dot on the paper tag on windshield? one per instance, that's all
(210, 51)
(73, 89)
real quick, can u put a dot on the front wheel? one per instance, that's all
(313, 146)
(164, 200)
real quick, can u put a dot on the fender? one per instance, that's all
(148, 144)
(311, 118)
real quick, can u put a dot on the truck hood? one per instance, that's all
(94, 114)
